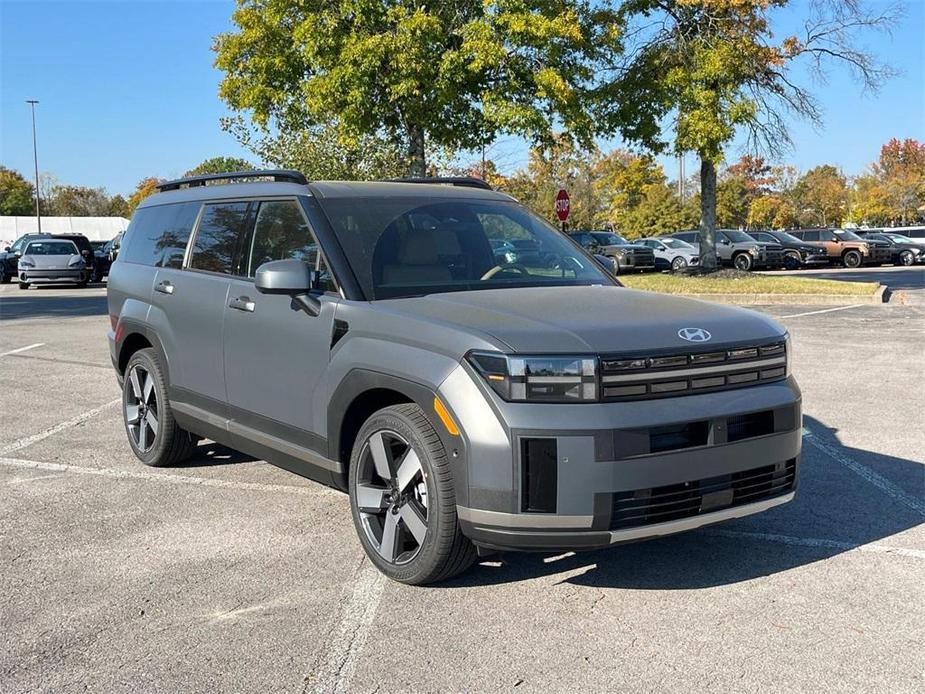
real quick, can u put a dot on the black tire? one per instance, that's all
(4, 277)
(742, 261)
(616, 265)
(444, 551)
(82, 285)
(23, 285)
(852, 259)
(907, 258)
(678, 264)
(792, 261)
(170, 444)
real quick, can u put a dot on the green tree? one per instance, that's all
(16, 193)
(716, 66)
(659, 211)
(445, 75)
(78, 201)
(820, 197)
(218, 165)
(118, 207)
(732, 202)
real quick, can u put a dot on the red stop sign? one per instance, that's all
(563, 206)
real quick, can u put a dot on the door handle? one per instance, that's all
(242, 303)
(164, 287)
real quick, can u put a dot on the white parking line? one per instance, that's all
(346, 642)
(23, 349)
(879, 481)
(871, 547)
(166, 477)
(51, 431)
(824, 310)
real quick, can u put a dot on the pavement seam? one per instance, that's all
(22, 349)
(882, 483)
(51, 431)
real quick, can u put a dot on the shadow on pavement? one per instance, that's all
(32, 304)
(209, 454)
(833, 503)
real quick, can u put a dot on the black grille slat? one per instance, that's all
(688, 499)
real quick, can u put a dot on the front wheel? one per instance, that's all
(743, 261)
(154, 435)
(23, 285)
(906, 258)
(852, 259)
(792, 261)
(402, 499)
(678, 264)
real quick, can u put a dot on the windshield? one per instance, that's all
(899, 238)
(399, 247)
(846, 235)
(738, 236)
(51, 248)
(787, 238)
(676, 243)
(606, 238)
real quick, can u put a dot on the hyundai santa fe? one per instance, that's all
(382, 338)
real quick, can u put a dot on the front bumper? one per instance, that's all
(52, 276)
(622, 471)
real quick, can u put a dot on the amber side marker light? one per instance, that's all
(448, 422)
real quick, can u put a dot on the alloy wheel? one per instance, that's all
(141, 408)
(906, 258)
(391, 496)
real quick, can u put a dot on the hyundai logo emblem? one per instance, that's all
(694, 334)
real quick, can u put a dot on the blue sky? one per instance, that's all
(127, 90)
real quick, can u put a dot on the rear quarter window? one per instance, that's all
(158, 235)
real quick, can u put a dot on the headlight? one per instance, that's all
(26, 263)
(76, 262)
(538, 379)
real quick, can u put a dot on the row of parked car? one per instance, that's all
(757, 249)
(57, 258)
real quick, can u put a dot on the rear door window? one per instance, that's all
(219, 241)
(158, 235)
(809, 235)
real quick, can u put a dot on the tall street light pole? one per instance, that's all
(35, 157)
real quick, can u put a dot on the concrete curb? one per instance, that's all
(881, 296)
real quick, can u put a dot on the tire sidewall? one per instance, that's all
(740, 258)
(792, 261)
(678, 264)
(906, 258)
(855, 261)
(429, 558)
(153, 457)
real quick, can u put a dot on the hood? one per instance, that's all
(52, 262)
(598, 319)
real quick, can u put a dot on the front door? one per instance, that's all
(274, 353)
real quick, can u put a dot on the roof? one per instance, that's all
(94, 228)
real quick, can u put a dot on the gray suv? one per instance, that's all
(369, 336)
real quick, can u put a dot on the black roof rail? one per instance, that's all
(282, 175)
(461, 181)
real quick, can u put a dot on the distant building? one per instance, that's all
(94, 228)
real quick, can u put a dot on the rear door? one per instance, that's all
(275, 354)
(190, 301)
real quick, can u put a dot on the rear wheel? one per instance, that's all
(742, 261)
(154, 435)
(907, 258)
(23, 285)
(402, 499)
(851, 259)
(678, 264)
(792, 261)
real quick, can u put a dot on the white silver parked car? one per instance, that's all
(672, 254)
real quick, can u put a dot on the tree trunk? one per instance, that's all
(707, 215)
(416, 151)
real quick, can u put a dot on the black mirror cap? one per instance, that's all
(285, 277)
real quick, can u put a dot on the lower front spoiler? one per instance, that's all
(54, 277)
(506, 531)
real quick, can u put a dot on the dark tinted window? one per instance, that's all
(217, 246)
(158, 235)
(51, 247)
(281, 233)
(809, 235)
(690, 237)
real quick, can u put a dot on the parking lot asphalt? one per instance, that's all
(227, 574)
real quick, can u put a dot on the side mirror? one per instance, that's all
(85, 253)
(725, 242)
(291, 277)
(7, 249)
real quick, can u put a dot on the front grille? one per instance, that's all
(640, 377)
(687, 499)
